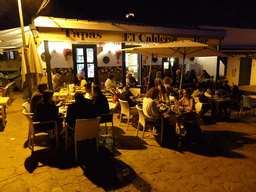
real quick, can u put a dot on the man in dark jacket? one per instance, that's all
(99, 101)
(81, 109)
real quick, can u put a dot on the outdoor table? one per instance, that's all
(3, 103)
(219, 104)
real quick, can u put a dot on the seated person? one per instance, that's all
(187, 101)
(150, 109)
(175, 98)
(131, 81)
(100, 101)
(110, 83)
(81, 109)
(198, 92)
(37, 96)
(127, 95)
(236, 96)
(162, 95)
(88, 90)
(46, 110)
(208, 93)
(225, 88)
(82, 80)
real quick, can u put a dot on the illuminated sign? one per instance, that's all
(153, 38)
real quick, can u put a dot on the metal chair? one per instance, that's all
(84, 129)
(32, 131)
(125, 110)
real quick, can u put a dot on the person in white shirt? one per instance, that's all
(150, 108)
(110, 83)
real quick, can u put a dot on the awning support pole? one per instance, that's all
(28, 79)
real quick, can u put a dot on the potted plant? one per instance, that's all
(67, 53)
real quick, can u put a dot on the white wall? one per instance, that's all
(253, 72)
(233, 68)
(205, 63)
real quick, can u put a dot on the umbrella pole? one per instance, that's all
(149, 74)
(181, 77)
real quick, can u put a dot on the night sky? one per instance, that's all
(188, 13)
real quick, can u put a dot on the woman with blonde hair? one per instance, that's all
(82, 80)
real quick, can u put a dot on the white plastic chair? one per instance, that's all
(85, 129)
(32, 131)
(125, 110)
(26, 106)
(135, 91)
(247, 102)
(143, 121)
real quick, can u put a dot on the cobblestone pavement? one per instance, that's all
(226, 161)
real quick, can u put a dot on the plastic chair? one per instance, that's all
(32, 131)
(247, 102)
(26, 106)
(125, 110)
(85, 129)
(143, 121)
(135, 91)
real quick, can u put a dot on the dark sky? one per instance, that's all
(236, 13)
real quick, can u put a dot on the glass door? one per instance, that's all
(132, 64)
(85, 62)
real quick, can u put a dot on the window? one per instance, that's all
(10, 55)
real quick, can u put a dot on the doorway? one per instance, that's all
(85, 62)
(245, 71)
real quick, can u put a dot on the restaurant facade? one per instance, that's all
(93, 48)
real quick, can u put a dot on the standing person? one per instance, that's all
(82, 80)
(46, 110)
(37, 96)
(100, 101)
(81, 109)
(131, 81)
(110, 83)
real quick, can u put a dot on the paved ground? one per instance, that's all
(226, 162)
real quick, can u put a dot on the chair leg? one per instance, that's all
(66, 138)
(143, 133)
(162, 130)
(120, 119)
(29, 138)
(3, 115)
(57, 138)
(76, 151)
(97, 145)
(106, 127)
(33, 142)
(128, 122)
(138, 129)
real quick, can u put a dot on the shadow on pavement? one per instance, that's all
(219, 143)
(103, 169)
